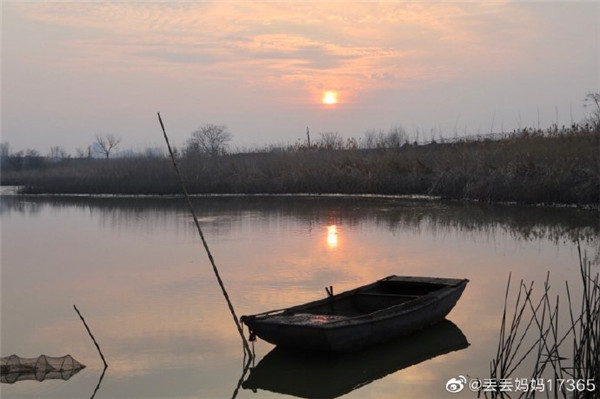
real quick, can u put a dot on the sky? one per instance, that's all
(73, 70)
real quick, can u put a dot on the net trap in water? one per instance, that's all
(15, 368)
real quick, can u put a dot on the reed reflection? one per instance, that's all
(524, 223)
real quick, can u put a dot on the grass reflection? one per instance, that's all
(522, 222)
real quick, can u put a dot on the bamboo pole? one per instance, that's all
(92, 336)
(201, 234)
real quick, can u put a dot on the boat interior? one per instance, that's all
(368, 300)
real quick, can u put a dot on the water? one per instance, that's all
(137, 271)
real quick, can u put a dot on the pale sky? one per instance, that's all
(71, 70)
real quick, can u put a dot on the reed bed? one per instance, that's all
(564, 364)
(556, 166)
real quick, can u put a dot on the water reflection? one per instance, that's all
(248, 362)
(332, 236)
(99, 382)
(523, 222)
(309, 375)
(137, 267)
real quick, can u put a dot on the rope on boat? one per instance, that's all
(201, 234)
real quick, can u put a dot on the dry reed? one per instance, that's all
(532, 337)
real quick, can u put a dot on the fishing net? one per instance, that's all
(14, 368)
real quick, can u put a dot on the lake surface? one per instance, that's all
(138, 273)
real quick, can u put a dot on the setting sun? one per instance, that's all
(330, 97)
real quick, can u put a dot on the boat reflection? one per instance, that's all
(317, 375)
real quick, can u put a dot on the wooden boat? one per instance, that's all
(374, 313)
(321, 375)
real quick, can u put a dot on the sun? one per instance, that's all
(330, 97)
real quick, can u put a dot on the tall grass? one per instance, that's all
(555, 166)
(532, 337)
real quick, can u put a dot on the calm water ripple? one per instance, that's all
(136, 269)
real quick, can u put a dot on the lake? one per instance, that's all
(135, 268)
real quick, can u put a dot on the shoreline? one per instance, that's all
(558, 168)
(14, 191)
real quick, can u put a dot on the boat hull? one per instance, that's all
(330, 332)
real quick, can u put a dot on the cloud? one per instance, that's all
(422, 63)
(353, 46)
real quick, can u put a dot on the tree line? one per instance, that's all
(215, 140)
(103, 146)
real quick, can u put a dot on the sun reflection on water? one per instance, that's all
(332, 236)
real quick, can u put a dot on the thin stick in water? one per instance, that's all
(92, 336)
(201, 234)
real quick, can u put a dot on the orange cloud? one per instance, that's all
(347, 47)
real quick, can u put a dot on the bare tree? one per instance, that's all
(57, 152)
(106, 144)
(210, 140)
(377, 138)
(16, 160)
(372, 138)
(396, 137)
(331, 141)
(80, 153)
(33, 159)
(32, 153)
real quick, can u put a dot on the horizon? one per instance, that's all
(74, 70)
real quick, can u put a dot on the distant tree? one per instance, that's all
(377, 138)
(372, 138)
(4, 149)
(330, 141)
(105, 144)
(58, 153)
(84, 152)
(592, 101)
(352, 143)
(33, 159)
(209, 139)
(15, 160)
(32, 153)
(396, 137)
(80, 153)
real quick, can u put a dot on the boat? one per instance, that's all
(378, 312)
(320, 375)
